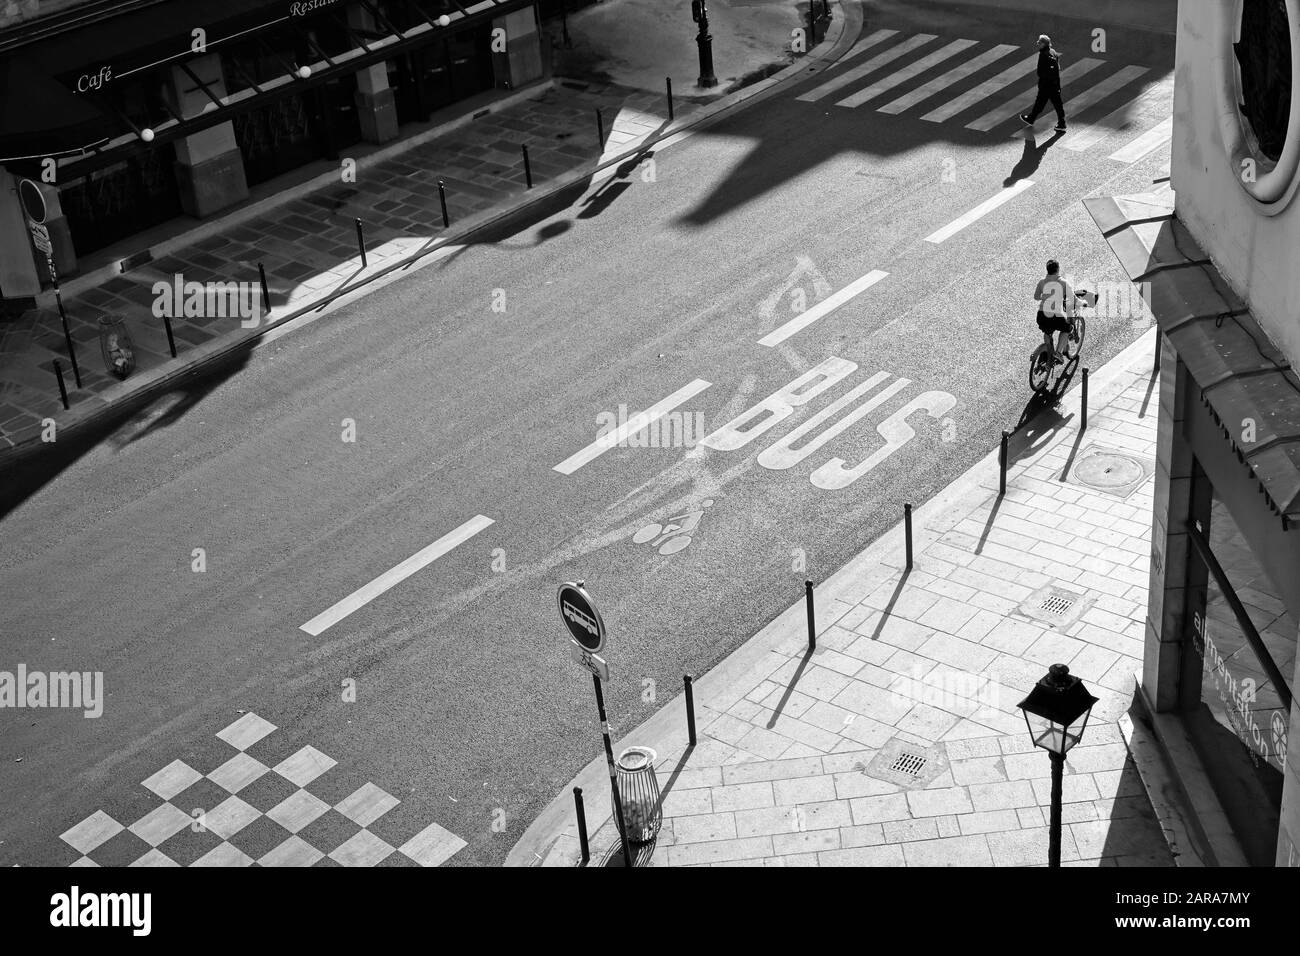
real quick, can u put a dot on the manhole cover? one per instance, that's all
(1055, 606)
(1110, 470)
(907, 764)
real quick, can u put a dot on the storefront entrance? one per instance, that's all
(1234, 710)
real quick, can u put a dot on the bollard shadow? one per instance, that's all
(640, 852)
(789, 689)
(1146, 399)
(337, 290)
(1074, 451)
(889, 607)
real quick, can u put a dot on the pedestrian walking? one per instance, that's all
(1049, 85)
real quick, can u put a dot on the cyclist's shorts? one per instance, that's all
(1052, 323)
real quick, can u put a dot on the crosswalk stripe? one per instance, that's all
(1117, 119)
(983, 91)
(1011, 107)
(954, 75)
(979, 212)
(1097, 93)
(902, 76)
(858, 72)
(1151, 140)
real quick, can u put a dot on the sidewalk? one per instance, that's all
(898, 742)
(308, 244)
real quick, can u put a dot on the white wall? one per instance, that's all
(1258, 253)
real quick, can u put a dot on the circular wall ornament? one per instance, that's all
(1274, 182)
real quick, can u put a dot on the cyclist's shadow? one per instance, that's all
(1039, 421)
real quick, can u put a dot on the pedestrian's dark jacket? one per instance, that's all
(1049, 70)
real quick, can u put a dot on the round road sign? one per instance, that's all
(33, 202)
(579, 613)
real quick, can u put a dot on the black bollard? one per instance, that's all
(63, 389)
(442, 198)
(907, 529)
(812, 25)
(171, 341)
(528, 168)
(1002, 466)
(812, 627)
(266, 293)
(668, 80)
(361, 243)
(690, 709)
(582, 825)
(1083, 403)
(1158, 337)
(600, 129)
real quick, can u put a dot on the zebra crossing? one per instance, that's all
(887, 62)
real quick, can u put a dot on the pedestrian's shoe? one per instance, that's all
(1060, 127)
(1024, 118)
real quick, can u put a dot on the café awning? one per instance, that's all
(1240, 373)
(40, 117)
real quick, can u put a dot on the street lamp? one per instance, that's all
(700, 14)
(1056, 713)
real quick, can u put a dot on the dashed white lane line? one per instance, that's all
(421, 559)
(633, 425)
(1152, 139)
(979, 212)
(822, 308)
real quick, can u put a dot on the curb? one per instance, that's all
(550, 840)
(97, 409)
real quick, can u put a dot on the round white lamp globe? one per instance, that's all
(146, 135)
(444, 20)
(304, 72)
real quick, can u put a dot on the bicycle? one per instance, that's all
(1046, 375)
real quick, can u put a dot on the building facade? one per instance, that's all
(128, 113)
(1224, 271)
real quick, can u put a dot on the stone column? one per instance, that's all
(1163, 659)
(376, 102)
(521, 61)
(209, 165)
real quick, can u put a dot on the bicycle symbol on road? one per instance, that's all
(676, 534)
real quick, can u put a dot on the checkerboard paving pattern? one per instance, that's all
(255, 814)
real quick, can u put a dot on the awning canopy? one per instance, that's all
(1241, 374)
(40, 117)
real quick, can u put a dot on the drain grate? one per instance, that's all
(1055, 606)
(1058, 604)
(910, 764)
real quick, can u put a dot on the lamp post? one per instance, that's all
(1056, 713)
(700, 14)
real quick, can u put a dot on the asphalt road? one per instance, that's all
(468, 382)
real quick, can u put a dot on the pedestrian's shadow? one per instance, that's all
(1030, 158)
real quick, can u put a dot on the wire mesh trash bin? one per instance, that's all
(638, 788)
(115, 346)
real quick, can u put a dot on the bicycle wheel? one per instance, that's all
(1074, 341)
(1040, 369)
(1063, 381)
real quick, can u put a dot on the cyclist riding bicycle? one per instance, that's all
(1056, 308)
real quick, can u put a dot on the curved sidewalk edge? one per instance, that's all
(129, 395)
(551, 840)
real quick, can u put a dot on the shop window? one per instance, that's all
(1264, 62)
(1235, 714)
(111, 204)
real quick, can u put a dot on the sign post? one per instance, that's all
(33, 203)
(580, 615)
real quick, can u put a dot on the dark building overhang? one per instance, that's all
(1240, 373)
(160, 34)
